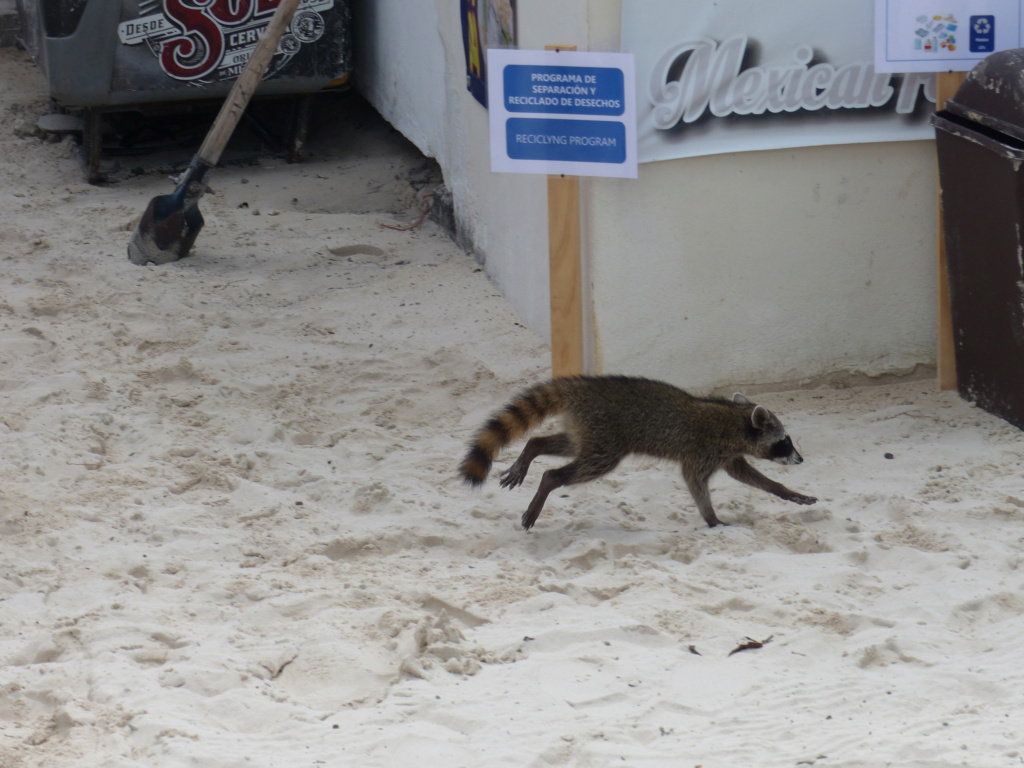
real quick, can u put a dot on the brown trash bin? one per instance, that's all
(980, 142)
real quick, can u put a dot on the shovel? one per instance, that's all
(171, 223)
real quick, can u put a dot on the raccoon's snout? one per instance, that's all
(783, 452)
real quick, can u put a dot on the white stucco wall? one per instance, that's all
(768, 266)
(749, 268)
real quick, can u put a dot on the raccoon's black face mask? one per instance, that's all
(783, 452)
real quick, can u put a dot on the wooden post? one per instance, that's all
(564, 274)
(564, 269)
(947, 84)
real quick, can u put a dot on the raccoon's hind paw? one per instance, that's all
(530, 518)
(512, 477)
(798, 498)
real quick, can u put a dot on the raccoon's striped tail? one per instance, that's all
(526, 411)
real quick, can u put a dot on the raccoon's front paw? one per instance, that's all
(512, 477)
(799, 498)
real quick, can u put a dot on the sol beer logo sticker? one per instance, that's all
(204, 41)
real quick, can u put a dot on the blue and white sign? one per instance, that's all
(943, 35)
(983, 34)
(568, 112)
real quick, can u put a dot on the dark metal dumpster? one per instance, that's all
(103, 58)
(113, 52)
(980, 142)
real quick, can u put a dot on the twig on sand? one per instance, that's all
(750, 644)
(428, 200)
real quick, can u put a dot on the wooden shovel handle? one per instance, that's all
(246, 84)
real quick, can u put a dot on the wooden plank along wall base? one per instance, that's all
(947, 84)
(564, 269)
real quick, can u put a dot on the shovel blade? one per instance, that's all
(170, 224)
(163, 239)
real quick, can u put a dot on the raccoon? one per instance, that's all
(606, 418)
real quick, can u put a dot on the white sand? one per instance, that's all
(232, 535)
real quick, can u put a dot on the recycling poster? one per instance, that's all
(943, 35)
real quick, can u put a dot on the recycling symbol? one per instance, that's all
(982, 26)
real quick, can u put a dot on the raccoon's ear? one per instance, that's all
(739, 399)
(761, 417)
